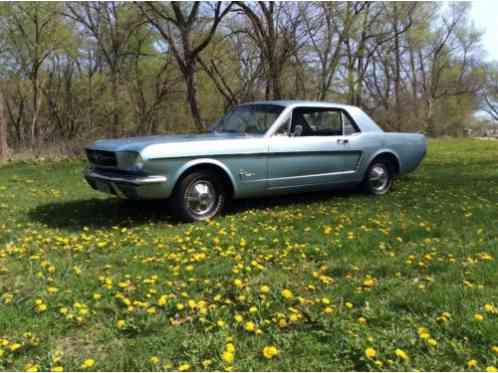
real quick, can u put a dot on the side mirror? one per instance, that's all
(298, 131)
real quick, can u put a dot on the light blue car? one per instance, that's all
(256, 149)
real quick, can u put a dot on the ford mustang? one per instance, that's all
(256, 149)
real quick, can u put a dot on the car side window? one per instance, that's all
(316, 122)
(348, 126)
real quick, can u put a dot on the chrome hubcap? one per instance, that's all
(378, 178)
(200, 197)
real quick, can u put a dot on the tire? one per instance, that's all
(378, 178)
(200, 195)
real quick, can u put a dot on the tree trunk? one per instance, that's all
(34, 119)
(4, 150)
(189, 74)
(397, 72)
(115, 112)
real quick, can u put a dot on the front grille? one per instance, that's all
(101, 157)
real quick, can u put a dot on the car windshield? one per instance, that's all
(249, 119)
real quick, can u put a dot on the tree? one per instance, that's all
(491, 91)
(112, 25)
(4, 149)
(184, 32)
(33, 32)
(275, 29)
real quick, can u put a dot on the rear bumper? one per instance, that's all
(128, 186)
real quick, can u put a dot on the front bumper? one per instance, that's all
(128, 185)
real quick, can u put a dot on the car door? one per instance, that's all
(316, 151)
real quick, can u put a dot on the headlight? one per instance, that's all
(131, 161)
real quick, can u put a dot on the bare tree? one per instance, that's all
(177, 25)
(275, 28)
(491, 92)
(4, 149)
(34, 33)
(111, 25)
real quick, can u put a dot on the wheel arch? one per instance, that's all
(208, 164)
(391, 156)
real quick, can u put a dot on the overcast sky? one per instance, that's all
(485, 16)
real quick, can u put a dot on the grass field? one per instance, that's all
(330, 281)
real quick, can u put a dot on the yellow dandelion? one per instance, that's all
(88, 363)
(401, 354)
(30, 367)
(270, 352)
(287, 294)
(227, 357)
(472, 364)
(183, 367)
(250, 326)
(154, 360)
(370, 353)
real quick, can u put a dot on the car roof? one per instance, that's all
(363, 121)
(293, 103)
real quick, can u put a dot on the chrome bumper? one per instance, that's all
(133, 180)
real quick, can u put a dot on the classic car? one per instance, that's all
(256, 149)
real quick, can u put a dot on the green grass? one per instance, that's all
(423, 256)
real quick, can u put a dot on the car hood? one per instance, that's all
(175, 145)
(139, 143)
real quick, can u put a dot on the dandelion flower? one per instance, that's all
(31, 367)
(370, 353)
(250, 326)
(328, 310)
(265, 289)
(287, 294)
(270, 352)
(401, 354)
(154, 360)
(228, 357)
(183, 367)
(472, 364)
(206, 363)
(88, 363)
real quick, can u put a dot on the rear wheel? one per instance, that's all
(199, 195)
(379, 178)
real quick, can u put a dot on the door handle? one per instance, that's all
(342, 141)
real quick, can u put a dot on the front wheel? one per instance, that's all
(379, 178)
(198, 196)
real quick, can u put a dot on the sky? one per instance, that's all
(484, 14)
